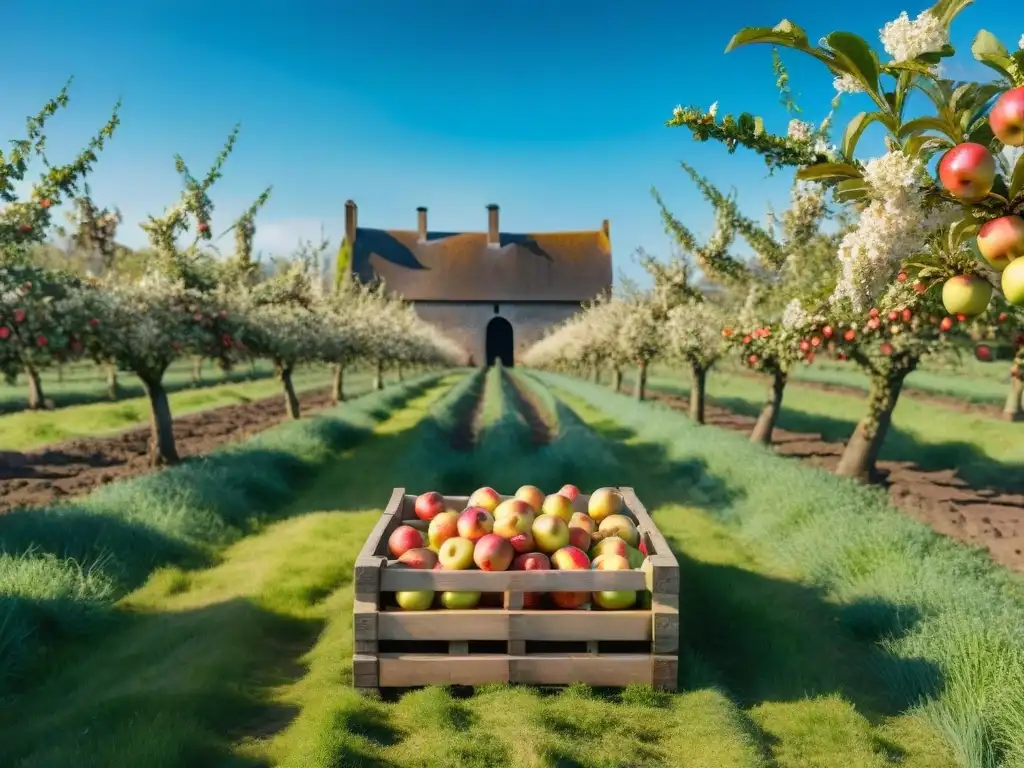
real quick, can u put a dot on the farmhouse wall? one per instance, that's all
(466, 323)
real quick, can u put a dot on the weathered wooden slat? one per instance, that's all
(500, 624)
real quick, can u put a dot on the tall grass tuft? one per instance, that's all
(61, 567)
(923, 597)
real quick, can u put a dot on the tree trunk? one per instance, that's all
(764, 428)
(291, 400)
(617, 380)
(338, 384)
(700, 375)
(252, 369)
(378, 376)
(112, 389)
(60, 373)
(861, 453)
(1014, 408)
(641, 381)
(197, 371)
(399, 371)
(35, 388)
(596, 373)
(162, 450)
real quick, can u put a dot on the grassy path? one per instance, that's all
(25, 430)
(247, 663)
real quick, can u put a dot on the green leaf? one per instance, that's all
(828, 171)
(961, 230)
(856, 54)
(947, 10)
(851, 190)
(980, 132)
(926, 123)
(917, 67)
(785, 33)
(1017, 179)
(934, 57)
(989, 51)
(925, 145)
(853, 132)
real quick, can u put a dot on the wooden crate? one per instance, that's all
(401, 649)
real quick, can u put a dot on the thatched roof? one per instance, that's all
(463, 266)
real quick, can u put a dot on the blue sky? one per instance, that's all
(552, 109)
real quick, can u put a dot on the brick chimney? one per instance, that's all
(421, 222)
(493, 230)
(606, 228)
(351, 219)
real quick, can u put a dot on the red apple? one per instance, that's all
(5, 332)
(444, 526)
(621, 526)
(946, 324)
(604, 502)
(967, 295)
(429, 505)
(579, 538)
(550, 533)
(1013, 282)
(643, 548)
(1007, 117)
(611, 562)
(404, 538)
(569, 491)
(475, 523)
(1001, 240)
(558, 505)
(517, 530)
(486, 497)
(968, 171)
(582, 520)
(420, 558)
(570, 559)
(532, 495)
(456, 554)
(493, 553)
(983, 352)
(533, 561)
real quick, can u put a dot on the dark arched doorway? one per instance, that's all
(498, 343)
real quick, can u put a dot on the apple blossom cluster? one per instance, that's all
(847, 83)
(800, 130)
(905, 40)
(893, 226)
(692, 335)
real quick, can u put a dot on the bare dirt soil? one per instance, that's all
(464, 433)
(985, 517)
(77, 467)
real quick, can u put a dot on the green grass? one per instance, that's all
(986, 452)
(946, 624)
(247, 662)
(26, 430)
(61, 566)
(967, 379)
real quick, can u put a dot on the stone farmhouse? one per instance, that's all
(493, 292)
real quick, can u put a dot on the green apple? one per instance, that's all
(614, 600)
(460, 601)
(1013, 282)
(415, 600)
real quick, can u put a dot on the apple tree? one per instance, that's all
(957, 238)
(32, 334)
(693, 338)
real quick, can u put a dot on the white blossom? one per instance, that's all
(799, 130)
(678, 111)
(795, 317)
(713, 109)
(846, 83)
(1020, 43)
(904, 39)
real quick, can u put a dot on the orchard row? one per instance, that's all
(190, 302)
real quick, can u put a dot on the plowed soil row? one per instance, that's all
(981, 516)
(541, 430)
(77, 467)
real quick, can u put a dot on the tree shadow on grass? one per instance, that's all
(977, 468)
(763, 638)
(185, 683)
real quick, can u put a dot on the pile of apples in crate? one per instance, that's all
(530, 532)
